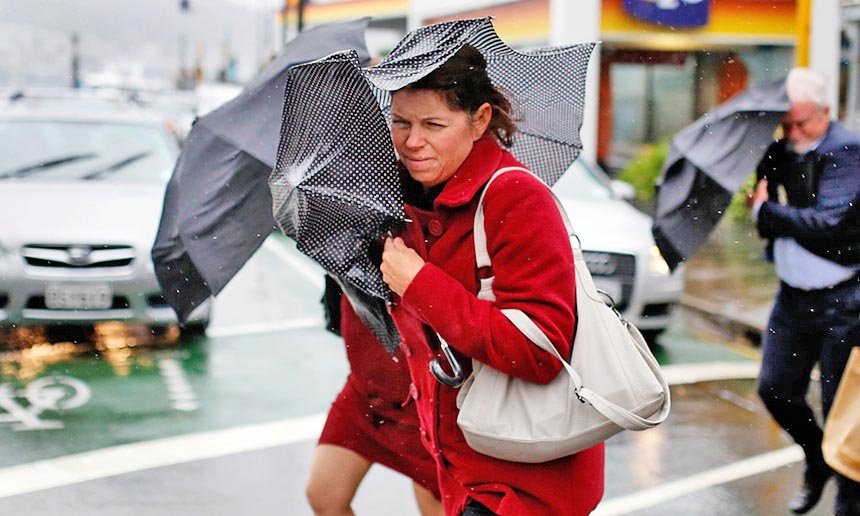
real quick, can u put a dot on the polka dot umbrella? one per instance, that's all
(335, 187)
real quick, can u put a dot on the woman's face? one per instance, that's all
(431, 139)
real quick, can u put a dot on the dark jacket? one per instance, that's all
(823, 190)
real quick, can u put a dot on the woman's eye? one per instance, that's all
(399, 123)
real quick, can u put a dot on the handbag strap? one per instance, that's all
(617, 414)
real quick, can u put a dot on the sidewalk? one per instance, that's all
(729, 288)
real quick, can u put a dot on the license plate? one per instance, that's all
(78, 297)
(613, 288)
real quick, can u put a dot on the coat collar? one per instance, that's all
(472, 175)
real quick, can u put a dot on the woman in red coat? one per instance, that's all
(369, 422)
(447, 128)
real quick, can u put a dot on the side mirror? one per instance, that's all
(623, 189)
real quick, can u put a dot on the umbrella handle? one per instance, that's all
(440, 374)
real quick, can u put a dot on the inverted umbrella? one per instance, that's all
(546, 86)
(708, 162)
(217, 209)
(336, 186)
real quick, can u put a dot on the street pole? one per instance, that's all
(818, 42)
(184, 81)
(300, 22)
(76, 61)
(579, 22)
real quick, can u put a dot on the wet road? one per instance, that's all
(225, 425)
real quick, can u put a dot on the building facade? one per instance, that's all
(662, 63)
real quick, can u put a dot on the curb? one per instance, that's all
(729, 321)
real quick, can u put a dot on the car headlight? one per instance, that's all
(656, 263)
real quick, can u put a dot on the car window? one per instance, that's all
(582, 181)
(40, 150)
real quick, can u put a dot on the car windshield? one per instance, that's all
(582, 181)
(40, 150)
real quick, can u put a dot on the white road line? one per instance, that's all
(306, 269)
(117, 460)
(179, 391)
(268, 327)
(682, 374)
(735, 471)
(304, 266)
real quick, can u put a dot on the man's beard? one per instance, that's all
(800, 148)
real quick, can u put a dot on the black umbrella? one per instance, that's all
(218, 208)
(334, 196)
(336, 188)
(546, 86)
(708, 161)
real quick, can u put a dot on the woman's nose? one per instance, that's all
(414, 139)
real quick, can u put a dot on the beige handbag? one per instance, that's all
(841, 445)
(611, 383)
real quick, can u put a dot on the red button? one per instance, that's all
(435, 227)
(405, 348)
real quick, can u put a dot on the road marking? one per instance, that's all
(73, 469)
(179, 391)
(128, 458)
(682, 374)
(308, 269)
(669, 490)
(267, 327)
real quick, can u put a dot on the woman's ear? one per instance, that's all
(481, 120)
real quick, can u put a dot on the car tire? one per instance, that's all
(651, 336)
(193, 330)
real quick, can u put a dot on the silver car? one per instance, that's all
(619, 249)
(81, 189)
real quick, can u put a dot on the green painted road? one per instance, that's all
(266, 359)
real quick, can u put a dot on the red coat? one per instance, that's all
(533, 267)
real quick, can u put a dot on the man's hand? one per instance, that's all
(400, 265)
(758, 195)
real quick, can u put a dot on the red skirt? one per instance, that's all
(391, 440)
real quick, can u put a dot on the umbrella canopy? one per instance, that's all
(336, 186)
(708, 161)
(546, 86)
(218, 207)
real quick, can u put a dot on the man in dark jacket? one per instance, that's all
(806, 204)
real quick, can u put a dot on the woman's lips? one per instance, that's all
(417, 161)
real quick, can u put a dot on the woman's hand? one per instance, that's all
(400, 265)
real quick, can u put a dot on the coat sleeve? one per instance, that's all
(533, 266)
(839, 188)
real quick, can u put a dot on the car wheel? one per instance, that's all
(193, 330)
(651, 336)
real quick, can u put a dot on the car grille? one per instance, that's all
(78, 256)
(618, 267)
(38, 303)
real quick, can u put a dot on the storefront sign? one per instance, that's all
(670, 13)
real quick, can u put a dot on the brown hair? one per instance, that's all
(464, 83)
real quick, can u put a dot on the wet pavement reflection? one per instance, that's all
(143, 389)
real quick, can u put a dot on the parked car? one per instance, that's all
(82, 183)
(618, 247)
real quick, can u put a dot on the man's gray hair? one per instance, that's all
(805, 85)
